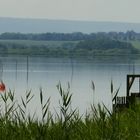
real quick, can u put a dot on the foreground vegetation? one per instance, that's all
(97, 124)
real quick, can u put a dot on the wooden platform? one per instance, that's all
(131, 97)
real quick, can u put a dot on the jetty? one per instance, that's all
(132, 97)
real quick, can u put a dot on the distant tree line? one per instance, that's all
(129, 35)
(105, 46)
(98, 46)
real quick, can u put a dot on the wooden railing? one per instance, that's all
(121, 100)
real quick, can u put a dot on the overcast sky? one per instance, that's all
(91, 10)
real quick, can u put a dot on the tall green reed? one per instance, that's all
(44, 107)
(66, 112)
(7, 100)
(23, 107)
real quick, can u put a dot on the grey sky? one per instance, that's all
(95, 10)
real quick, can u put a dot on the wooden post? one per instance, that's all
(27, 69)
(127, 86)
(139, 85)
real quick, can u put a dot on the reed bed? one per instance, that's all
(97, 124)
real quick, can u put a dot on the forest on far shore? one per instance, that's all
(71, 44)
(129, 35)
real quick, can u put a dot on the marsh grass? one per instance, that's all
(97, 124)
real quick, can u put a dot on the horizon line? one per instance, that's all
(68, 20)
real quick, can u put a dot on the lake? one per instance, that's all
(22, 73)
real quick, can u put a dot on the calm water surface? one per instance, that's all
(21, 74)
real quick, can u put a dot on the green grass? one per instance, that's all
(38, 43)
(136, 44)
(31, 47)
(58, 48)
(97, 124)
